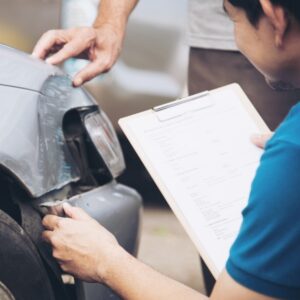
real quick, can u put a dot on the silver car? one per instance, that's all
(56, 145)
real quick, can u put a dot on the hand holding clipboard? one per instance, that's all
(198, 152)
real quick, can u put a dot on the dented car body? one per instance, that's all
(56, 145)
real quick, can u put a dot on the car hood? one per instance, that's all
(18, 69)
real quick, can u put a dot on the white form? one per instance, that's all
(205, 161)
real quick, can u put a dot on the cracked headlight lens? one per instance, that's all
(106, 141)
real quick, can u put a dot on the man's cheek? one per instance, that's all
(241, 43)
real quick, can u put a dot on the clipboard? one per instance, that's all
(156, 130)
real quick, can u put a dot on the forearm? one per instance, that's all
(79, 236)
(134, 280)
(115, 13)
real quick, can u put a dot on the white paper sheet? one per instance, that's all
(206, 162)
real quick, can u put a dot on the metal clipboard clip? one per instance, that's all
(183, 106)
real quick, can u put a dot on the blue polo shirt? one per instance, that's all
(266, 254)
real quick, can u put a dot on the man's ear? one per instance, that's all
(278, 19)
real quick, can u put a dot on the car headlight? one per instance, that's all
(106, 141)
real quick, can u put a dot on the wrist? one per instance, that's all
(107, 271)
(117, 28)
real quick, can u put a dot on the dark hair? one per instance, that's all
(254, 11)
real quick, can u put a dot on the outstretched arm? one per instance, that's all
(87, 250)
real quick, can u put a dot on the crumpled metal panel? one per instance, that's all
(32, 144)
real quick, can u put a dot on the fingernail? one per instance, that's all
(78, 82)
(66, 205)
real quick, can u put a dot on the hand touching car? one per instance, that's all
(101, 46)
(101, 43)
(80, 244)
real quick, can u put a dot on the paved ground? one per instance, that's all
(166, 247)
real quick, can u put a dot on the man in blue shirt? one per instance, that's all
(264, 262)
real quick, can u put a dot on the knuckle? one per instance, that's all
(84, 29)
(107, 64)
(55, 254)
(44, 221)
(60, 223)
(106, 67)
(69, 49)
(52, 240)
(50, 33)
(102, 66)
(72, 31)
